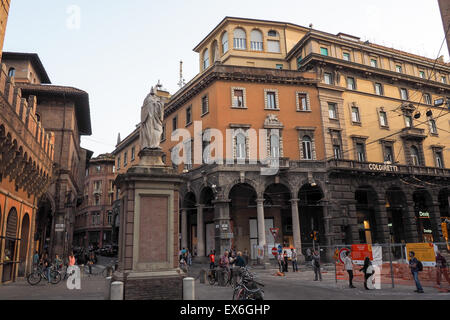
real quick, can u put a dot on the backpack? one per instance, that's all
(419, 266)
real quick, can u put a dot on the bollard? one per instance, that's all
(117, 291)
(189, 289)
(203, 276)
(108, 282)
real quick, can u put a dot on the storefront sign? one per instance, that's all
(360, 252)
(383, 167)
(425, 252)
(424, 214)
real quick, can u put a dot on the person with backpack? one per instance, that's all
(416, 266)
(316, 266)
(368, 271)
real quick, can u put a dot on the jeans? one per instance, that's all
(48, 275)
(317, 273)
(439, 273)
(350, 277)
(295, 266)
(416, 279)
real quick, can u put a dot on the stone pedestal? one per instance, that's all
(149, 229)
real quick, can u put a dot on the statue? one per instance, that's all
(152, 116)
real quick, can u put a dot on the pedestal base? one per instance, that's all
(151, 158)
(164, 285)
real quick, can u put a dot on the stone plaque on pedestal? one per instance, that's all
(148, 241)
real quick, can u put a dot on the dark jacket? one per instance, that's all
(240, 262)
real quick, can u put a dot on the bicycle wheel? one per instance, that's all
(226, 278)
(239, 295)
(211, 279)
(55, 276)
(34, 278)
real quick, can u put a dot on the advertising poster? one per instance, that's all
(425, 252)
(360, 252)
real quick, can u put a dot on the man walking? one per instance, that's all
(415, 266)
(294, 261)
(316, 266)
(441, 269)
(348, 263)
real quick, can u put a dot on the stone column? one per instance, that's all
(221, 219)
(184, 242)
(200, 232)
(435, 217)
(262, 227)
(296, 226)
(382, 222)
(411, 233)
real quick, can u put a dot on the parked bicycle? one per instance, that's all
(38, 274)
(229, 276)
(247, 287)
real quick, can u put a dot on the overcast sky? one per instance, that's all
(116, 50)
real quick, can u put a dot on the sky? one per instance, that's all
(117, 50)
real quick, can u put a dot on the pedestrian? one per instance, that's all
(46, 266)
(90, 263)
(72, 260)
(441, 269)
(348, 263)
(285, 261)
(416, 266)
(280, 262)
(239, 262)
(35, 260)
(58, 263)
(224, 263)
(189, 258)
(308, 254)
(246, 256)
(294, 260)
(212, 260)
(368, 271)
(316, 266)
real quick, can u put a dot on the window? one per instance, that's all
(271, 100)
(439, 159)
(205, 105)
(383, 119)
(332, 110)
(408, 121)
(378, 89)
(133, 154)
(12, 72)
(422, 74)
(125, 159)
(388, 154)
(240, 39)
(444, 79)
(433, 127)
(273, 46)
(272, 33)
(351, 85)
(98, 168)
(205, 59)
(303, 102)
(238, 98)
(346, 56)
(279, 66)
(299, 62)
(404, 94)
(256, 40)
(118, 163)
(110, 218)
(324, 51)
(355, 115)
(337, 152)
(174, 123)
(274, 146)
(241, 148)
(307, 148)
(374, 63)
(398, 68)
(328, 78)
(163, 135)
(427, 98)
(189, 115)
(225, 42)
(360, 152)
(415, 157)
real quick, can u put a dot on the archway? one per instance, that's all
(10, 246)
(368, 215)
(395, 209)
(44, 223)
(24, 245)
(311, 216)
(426, 222)
(278, 214)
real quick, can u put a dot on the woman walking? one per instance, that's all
(316, 266)
(368, 271)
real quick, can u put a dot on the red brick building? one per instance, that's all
(94, 219)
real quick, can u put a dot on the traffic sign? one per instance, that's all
(280, 249)
(342, 254)
(274, 232)
(274, 251)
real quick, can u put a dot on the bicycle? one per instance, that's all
(37, 275)
(247, 287)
